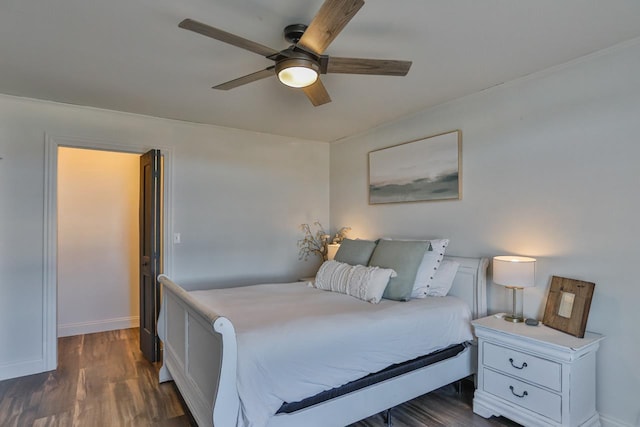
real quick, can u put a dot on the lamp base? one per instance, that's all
(516, 315)
(513, 319)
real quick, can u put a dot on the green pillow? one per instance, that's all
(355, 252)
(405, 258)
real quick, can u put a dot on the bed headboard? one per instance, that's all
(470, 283)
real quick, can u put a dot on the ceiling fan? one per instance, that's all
(300, 65)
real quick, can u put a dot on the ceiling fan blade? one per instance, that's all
(328, 22)
(383, 67)
(317, 93)
(223, 36)
(258, 75)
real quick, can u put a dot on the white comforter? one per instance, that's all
(295, 341)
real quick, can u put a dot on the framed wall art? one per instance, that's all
(422, 170)
(568, 305)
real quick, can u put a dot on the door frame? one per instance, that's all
(50, 253)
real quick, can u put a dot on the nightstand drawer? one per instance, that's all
(522, 365)
(525, 395)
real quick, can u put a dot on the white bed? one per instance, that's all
(233, 368)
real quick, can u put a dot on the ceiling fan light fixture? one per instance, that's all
(297, 72)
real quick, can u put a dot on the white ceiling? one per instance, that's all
(130, 55)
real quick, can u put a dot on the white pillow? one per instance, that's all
(365, 283)
(443, 280)
(429, 267)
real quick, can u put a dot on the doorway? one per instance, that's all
(51, 260)
(98, 240)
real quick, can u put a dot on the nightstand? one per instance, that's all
(535, 375)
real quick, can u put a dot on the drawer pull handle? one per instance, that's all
(524, 393)
(524, 364)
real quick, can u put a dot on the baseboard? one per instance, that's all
(20, 369)
(81, 328)
(607, 421)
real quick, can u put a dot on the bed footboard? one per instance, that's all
(200, 355)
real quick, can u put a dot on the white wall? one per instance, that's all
(98, 240)
(551, 170)
(238, 198)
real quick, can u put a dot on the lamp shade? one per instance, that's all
(514, 271)
(332, 249)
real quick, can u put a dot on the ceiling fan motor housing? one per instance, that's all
(293, 33)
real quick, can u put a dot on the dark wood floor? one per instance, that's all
(103, 380)
(441, 408)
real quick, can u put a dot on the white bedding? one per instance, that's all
(295, 341)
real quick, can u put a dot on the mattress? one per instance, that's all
(295, 341)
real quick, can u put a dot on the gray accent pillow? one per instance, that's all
(404, 257)
(355, 252)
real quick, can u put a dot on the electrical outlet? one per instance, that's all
(176, 238)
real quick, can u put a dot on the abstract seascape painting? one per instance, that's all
(422, 170)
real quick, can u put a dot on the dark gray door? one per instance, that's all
(150, 224)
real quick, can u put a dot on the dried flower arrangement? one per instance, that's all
(340, 235)
(316, 243)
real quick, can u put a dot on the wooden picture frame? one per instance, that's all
(568, 305)
(424, 169)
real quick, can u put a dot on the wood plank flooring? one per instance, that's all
(103, 380)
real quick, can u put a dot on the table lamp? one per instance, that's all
(332, 249)
(514, 273)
